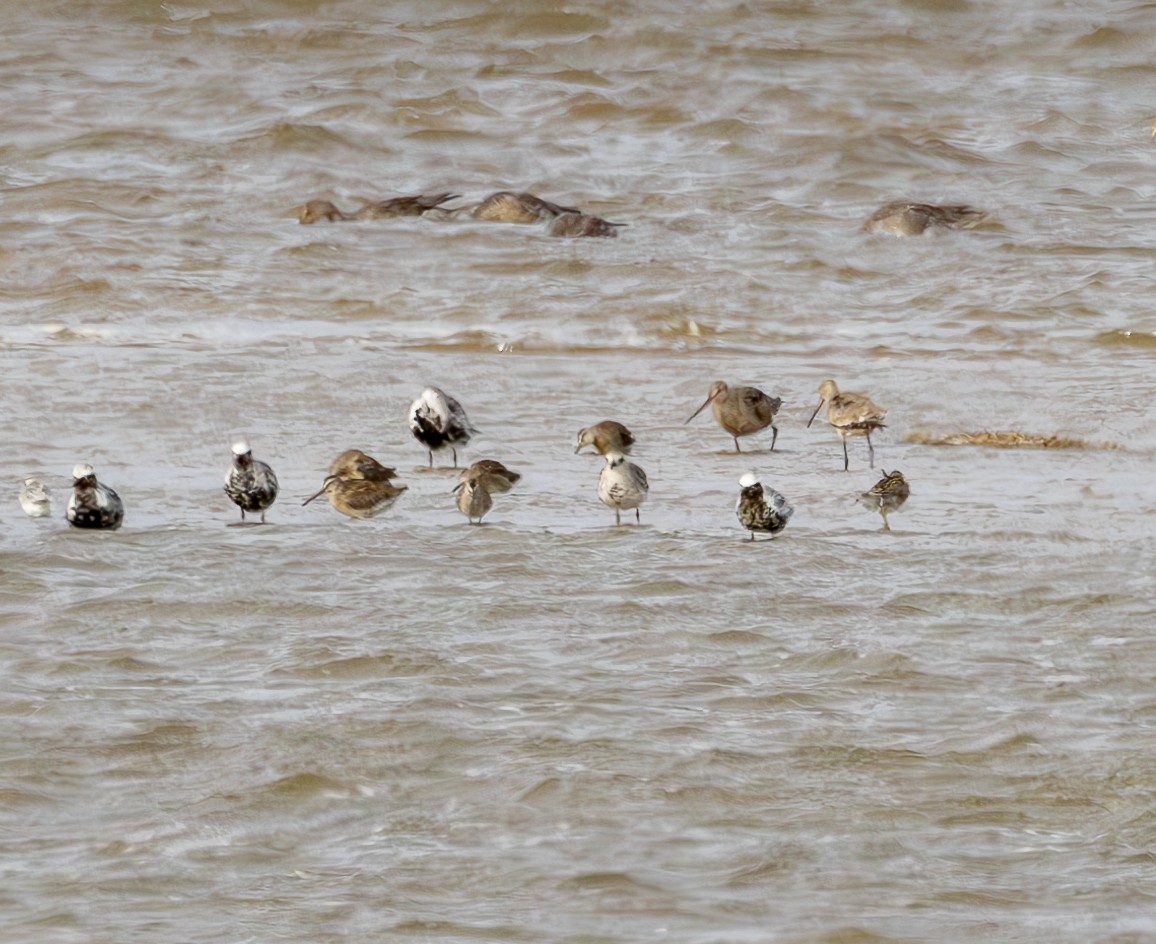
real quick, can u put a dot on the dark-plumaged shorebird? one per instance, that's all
(250, 483)
(886, 495)
(761, 508)
(494, 477)
(316, 211)
(358, 497)
(92, 505)
(914, 219)
(607, 436)
(507, 207)
(437, 420)
(473, 498)
(35, 499)
(582, 224)
(622, 485)
(741, 411)
(851, 414)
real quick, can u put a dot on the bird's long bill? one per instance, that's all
(705, 404)
(816, 413)
(324, 489)
(578, 448)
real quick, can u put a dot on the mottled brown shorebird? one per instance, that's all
(358, 497)
(851, 414)
(355, 464)
(886, 495)
(582, 224)
(741, 411)
(474, 499)
(914, 219)
(622, 485)
(507, 207)
(494, 477)
(607, 436)
(437, 420)
(316, 211)
(760, 507)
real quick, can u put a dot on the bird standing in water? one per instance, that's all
(494, 477)
(741, 410)
(92, 505)
(914, 219)
(851, 414)
(316, 211)
(358, 497)
(622, 485)
(35, 499)
(888, 494)
(607, 436)
(474, 499)
(437, 420)
(761, 508)
(250, 483)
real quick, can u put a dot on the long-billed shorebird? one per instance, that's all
(316, 211)
(507, 207)
(92, 505)
(474, 499)
(250, 483)
(358, 497)
(35, 499)
(355, 464)
(886, 495)
(437, 420)
(761, 508)
(494, 477)
(622, 485)
(914, 219)
(851, 414)
(741, 411)
(607, 436)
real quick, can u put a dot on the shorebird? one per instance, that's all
(35, 499)
(582, 224)
(888, 494)
(741, 411)
(92, 505)
(250, 483)
(358, 497)
(507, 207)
(317, 210)
(494, 477)
(852, 414)
(437, 420)
(913, 219)
(607, 436)
(473, 498)
(761, 508)
(622, 485)
(355, 464)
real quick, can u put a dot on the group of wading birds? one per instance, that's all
(361, 487)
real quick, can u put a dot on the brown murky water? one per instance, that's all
(548, 728)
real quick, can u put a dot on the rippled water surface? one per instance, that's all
(549, 728)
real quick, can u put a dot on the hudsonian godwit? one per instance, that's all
(851, 414)
(741, 411)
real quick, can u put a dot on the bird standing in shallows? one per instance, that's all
(474, 499)
(622, 485)
(888, 494)
(741, 410)
(607, 436)
(494, 477)
(437, 420)
(507, 207)
(35, 499)
(323, 210)
(250, 483)
(355, 464)
(761, 508)
(914, 219)
(358, 497)
(92, 505)
(852, 414)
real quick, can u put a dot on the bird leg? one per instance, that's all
(846, 459)
(736, 439)
(870, 450)
(637, 517)
(774, 436)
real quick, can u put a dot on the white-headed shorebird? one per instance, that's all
(35, 499)
(851, 414)
(250, 483)
(761, 508)
(741, 411)
(437, 420)
(886, 495)
(622, 485)
(92, 505)
(607, 436)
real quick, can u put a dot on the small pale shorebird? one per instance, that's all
(355, 464)
(888, 494)
(322, 210)
(622, 485)
(35, 499)
(761, 508)
(437, 420)
(852, 414)
(914, 219)
(741, 410)
(507, 207)
(607, 436)
(250, 483)
(358, 497)
(92, 505)
(474, 499)
(494, 477)
(582, 224)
